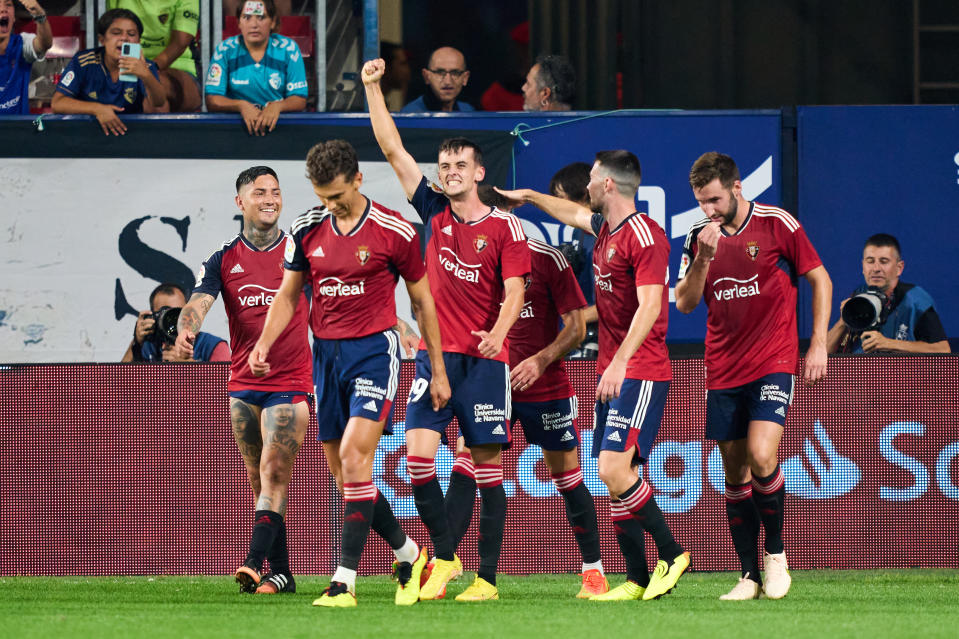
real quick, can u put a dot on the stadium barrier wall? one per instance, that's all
(132, 469)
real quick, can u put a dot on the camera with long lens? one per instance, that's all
(865, 311)
(164, 327)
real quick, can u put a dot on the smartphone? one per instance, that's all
(129, 50)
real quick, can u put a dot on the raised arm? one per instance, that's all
(384, 128)
(564, 211)
(44, 39)
(421, 301)
(280, 313)
(815, 368)
(530, 369)
(190, 321)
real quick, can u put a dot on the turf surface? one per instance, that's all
(874, 604)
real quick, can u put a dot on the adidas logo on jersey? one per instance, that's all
(614, 436)
(318, 252)
(781, 411)
(499, 430)
(567, 436)
(236, 269)
(448, 229)
(370, 405)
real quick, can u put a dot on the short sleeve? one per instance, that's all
(515, 254)
(929, 327)
(29, 53)
(71, 81)
(689, 252)
(217, 76)
(651, 264)
(428, 200)
(186, 17)
(565, 290)
(295, 71)
(294, 259)
(408, 259)
(596, 223)
(154, 69)
(799, 250)
(208, 278)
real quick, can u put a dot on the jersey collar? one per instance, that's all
(359, 223)
(743, 226)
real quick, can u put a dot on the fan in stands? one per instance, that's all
(18, 52)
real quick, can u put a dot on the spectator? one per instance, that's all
(149, 346)
(237, 81)
(569, 183)
(396, 80)
(18, 52)
(91, 83)
(169, 28)
(907, 323)
(445, 77)
(550, 85)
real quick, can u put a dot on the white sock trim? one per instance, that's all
(408, 552)
(596, 565)
(345, 576)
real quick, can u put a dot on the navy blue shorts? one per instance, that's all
(550, 425)
(355, 378)
(729, 410)
(265, 399)
(480, 398)
(631, 420)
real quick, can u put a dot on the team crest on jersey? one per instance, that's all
(130, 95)
(362, 254)
(610, 253)
(752, 250)
(480, 243)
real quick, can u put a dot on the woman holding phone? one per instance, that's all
(113, 78)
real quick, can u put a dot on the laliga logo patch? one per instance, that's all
(752, 250)
(289, 250)
(216, 72)
(199, 275)
(480, 243)
(362, 254)
(435, 187)
(68, 78)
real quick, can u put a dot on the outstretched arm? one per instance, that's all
(565, 211)
(384, 128)
(190, 321)
(280, 313)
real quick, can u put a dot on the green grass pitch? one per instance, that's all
(873, 604)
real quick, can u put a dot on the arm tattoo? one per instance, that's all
(191, 319)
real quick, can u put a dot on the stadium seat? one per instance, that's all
(297, 28)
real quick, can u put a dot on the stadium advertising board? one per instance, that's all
(153, 484)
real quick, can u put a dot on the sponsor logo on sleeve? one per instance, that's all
(293, 86)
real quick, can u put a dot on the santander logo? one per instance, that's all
(739, 289)
(258, 296)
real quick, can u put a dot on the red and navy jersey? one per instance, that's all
(467, 263)
(249, 279)
(354, 275)
(634, 254)
(750, 294)
(551, 290)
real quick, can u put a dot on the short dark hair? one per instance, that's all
(455, 145)
(269, 5)
(490, 197)
(623, 167)
(711, 166)
(573, 179)
(250, 175)
(556, 73)
(111, 16)
(880, 240)
(326, 160)
(167, 288)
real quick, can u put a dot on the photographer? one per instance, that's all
(905, 319)
(148, 343)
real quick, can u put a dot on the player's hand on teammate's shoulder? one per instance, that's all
(373, 71)
(517, 197)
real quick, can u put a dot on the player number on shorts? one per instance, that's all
(417, 389)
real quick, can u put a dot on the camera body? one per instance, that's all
(164, 327)
(866, 311)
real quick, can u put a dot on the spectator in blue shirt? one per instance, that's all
(91, 83)
(258, 73)
(18, 52)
